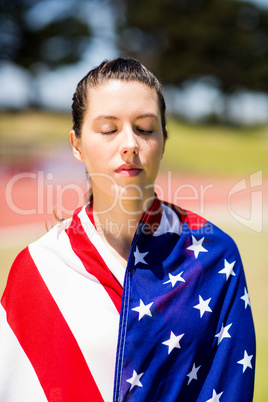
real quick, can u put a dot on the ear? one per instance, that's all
(76, 144)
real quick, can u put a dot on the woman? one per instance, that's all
(132, 299)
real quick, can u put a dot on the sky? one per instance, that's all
(57, 87)
(261, 3)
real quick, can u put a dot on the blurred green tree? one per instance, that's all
(41, 34)
(183, 40)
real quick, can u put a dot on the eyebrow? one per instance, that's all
(106, 117)
(141, 116)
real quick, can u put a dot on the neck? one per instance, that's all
(117, 222)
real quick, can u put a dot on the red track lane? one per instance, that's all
(28, 198)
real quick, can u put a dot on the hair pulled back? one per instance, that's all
(125, 69)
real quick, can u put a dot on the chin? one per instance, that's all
(130, 191)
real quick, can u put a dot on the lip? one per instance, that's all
(129, 170)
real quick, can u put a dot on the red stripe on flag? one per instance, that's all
(152, 217)
(93, 262)
(45, 336)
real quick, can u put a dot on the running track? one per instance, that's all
(29, 197)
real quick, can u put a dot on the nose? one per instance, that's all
(129, 144)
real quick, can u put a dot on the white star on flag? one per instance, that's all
(228, 269)
(223, 333)
(245, 298)
(193, 373)
(173, 279)
(197, 247)
(203, 306)
(143, 309)
(135, 380)
(173, 342)
(246, 361)
(215, 397)
(139, 257)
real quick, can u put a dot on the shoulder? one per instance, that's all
(55, 240)
(50, 246)
(23, 262)
(19, 272)
(196, 226)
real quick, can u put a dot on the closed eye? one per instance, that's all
(108, 132)
(145, 131)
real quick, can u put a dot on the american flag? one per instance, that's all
(176, 325)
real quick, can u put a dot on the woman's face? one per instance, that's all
(121, 140)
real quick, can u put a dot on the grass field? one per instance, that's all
(252, 248)
(218, 150)
(191, 149)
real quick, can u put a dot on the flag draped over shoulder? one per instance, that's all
(176, 325)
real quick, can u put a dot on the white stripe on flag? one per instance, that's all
(18, 380)
(84, 303)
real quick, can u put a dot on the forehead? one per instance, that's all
(118, 95)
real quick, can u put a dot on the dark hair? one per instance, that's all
(125, 69)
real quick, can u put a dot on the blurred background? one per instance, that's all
(212, 58)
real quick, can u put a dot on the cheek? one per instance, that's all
(96, 157)
(156, 151)
(90, 150)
